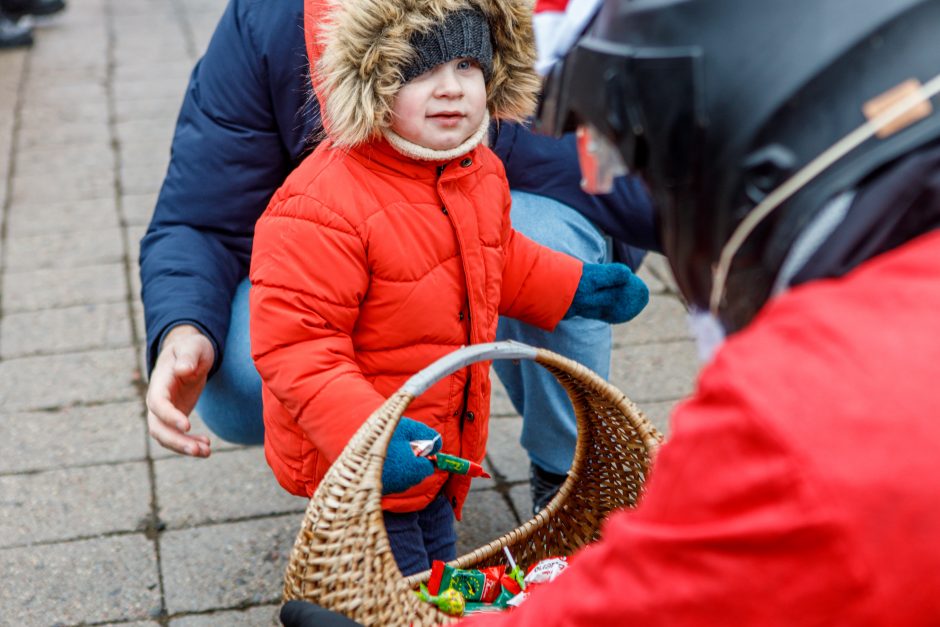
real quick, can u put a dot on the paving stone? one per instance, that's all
(242, 486)
(664, 319)
(486, 516)
(659, 413)
(83, 435)
(655, 372)
(93, 159)
(159, 107)
(521, 498)
(144, 179)
(127, 69)
(63, 287)
(36, 188)
(73, 503)
(46, 116)
(58, 217)
(65, 249)
(11, 66)
(228, 565)
(154, 130)
(86, 92)
(504, 452)
(133, 235)
(254, 617)
(146, 153)
(66, 133)
(60, 380)
(142, 89)
(90, 581)
(69, 329)
(137, 209)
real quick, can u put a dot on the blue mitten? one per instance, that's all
(403, 469)
(608, 292)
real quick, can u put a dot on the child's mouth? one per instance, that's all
(447, 118)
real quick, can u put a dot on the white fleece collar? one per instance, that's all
(421, 153)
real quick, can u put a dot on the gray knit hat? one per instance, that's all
(463, 33)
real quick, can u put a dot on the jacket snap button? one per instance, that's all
(444, 210)
(466, 162)
(453, 502)
(460, 315)
(470, 416)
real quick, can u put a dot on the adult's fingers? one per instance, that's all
(171, 438)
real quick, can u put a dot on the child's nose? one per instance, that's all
(449, 84)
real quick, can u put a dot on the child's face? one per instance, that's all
(443, 107)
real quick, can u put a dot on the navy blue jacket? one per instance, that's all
(246, 121)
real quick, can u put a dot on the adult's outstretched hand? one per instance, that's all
(176, 382)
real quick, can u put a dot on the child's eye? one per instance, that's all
(466, 64)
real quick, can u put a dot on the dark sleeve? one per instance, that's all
(241, 129)
(549, 167)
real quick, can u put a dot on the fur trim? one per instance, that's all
(421, 153)
(365, 43)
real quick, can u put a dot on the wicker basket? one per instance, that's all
(341, 559)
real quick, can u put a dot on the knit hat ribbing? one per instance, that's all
(462, 34)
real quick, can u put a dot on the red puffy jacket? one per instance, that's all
(800, 483)
(367, 266)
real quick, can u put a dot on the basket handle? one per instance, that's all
(462, 358)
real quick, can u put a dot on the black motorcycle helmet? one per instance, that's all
(716, 103)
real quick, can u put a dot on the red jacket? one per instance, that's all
(367, 266)
(801, 484)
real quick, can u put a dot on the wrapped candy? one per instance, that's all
(449, 601)
(475, 585)
(448, 463)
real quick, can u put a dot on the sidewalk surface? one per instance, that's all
(98, 524)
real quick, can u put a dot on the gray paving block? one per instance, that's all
(83, 435)
(63, 287)
(154, 130)
(659, 413)
(486, 516)
(504, 452)
(144, 179)
(133, 235)
(73, 503)
(40, 93)
(69, 329)
(142, 89)
(228, 485)
(47, 116)
(226, 566)
(11, 65)
(254, 617)
(157, 107)
(36, 188)
(521, 498)
(137, 209)
(64, 250)
(664, 319)
(655, 372)
(60, 380)
(59, 217)
(79, 132)
(90, 159)
(90, 581)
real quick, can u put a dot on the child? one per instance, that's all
(390, 246)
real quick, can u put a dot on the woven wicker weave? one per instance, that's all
(341, 559)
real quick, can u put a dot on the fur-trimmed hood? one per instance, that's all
(358, 47)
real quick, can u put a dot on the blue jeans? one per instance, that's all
(419, 538)
(231, 402)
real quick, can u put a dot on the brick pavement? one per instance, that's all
(99, 526)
